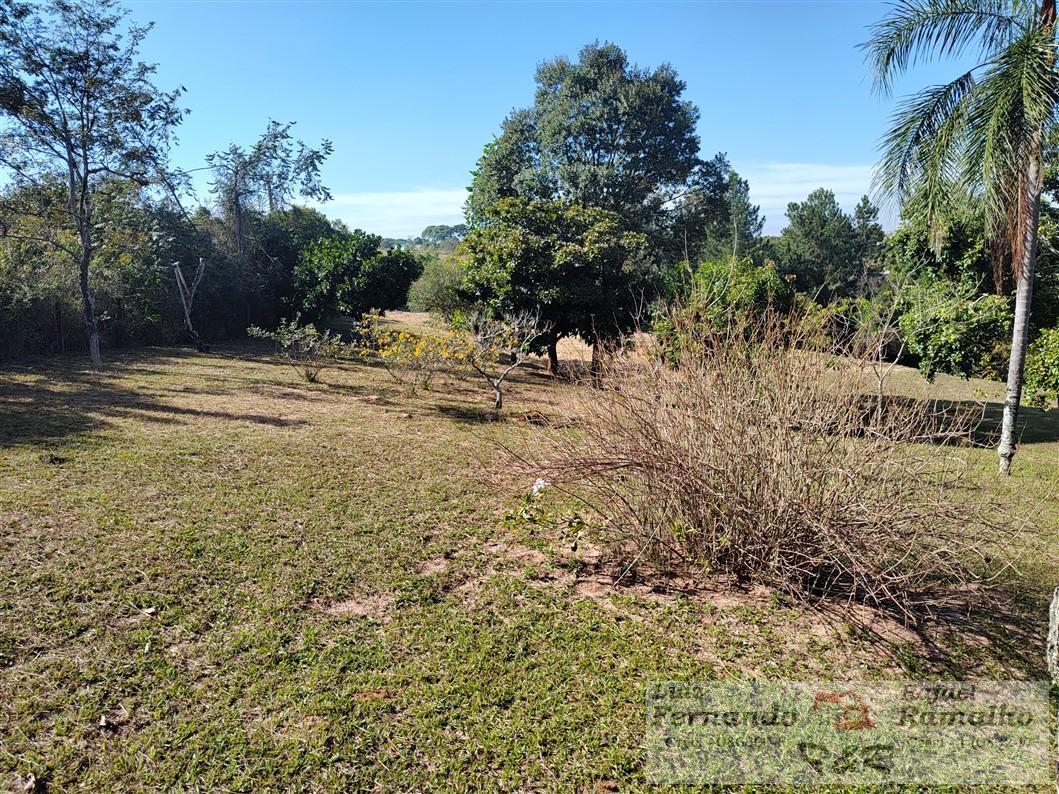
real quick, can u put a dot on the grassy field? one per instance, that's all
(215, 576)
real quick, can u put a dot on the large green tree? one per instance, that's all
(439, 233)
(818, 246)
(745, 220)
(249, 183)
(605, 133)
(572, 266)
(77, 108)
(986, 129)
(868, 239)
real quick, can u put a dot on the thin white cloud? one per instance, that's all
(774, 185)
(400, 213)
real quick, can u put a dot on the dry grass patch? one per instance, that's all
(462, 654)
(373, 606)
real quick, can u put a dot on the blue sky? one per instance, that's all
(410, 92)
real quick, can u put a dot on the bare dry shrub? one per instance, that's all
(746, 453)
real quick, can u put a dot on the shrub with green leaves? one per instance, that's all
(437, 288)
(741, 287)
(1042, 369)
(347, 274)
(302, 346)
(956, 333)
(722, 292)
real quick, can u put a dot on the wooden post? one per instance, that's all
(187, 299)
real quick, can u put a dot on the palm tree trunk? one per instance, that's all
(1020, 330)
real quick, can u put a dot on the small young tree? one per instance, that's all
(76, 108)
(302, 346)
(499, 346)
(877, 340)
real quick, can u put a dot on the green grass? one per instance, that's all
(214, 576)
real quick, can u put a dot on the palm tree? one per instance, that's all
(984, 131)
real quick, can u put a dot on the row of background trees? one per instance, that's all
(589, 208)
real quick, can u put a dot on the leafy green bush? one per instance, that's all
(1042, 369)
(348, 274)
(742, 287)
(437, 288)
(722, 292)
(304, 348)
(954, 332)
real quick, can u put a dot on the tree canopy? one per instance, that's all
(347, 273)
(572, 265)
(823, 248)
(604, 133)
(442, 233)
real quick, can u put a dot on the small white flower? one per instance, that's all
(539, 486)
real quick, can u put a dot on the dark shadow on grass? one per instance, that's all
(63, 401)
(467, 414)
(1035, 426)
(177, 411)
(353, 390)
(39, 412)
(971, 421)
(967, 630)
(955, 631)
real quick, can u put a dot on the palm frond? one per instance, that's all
(922, 152)
(919, 30)
(1012, 111)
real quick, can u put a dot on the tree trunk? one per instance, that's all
(59, 325)
(89, 303)
(553, 357)
(498, 397)
(1051, 653)
(596, 367)
(1020, 331)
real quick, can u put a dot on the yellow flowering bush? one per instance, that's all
(413, 359)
